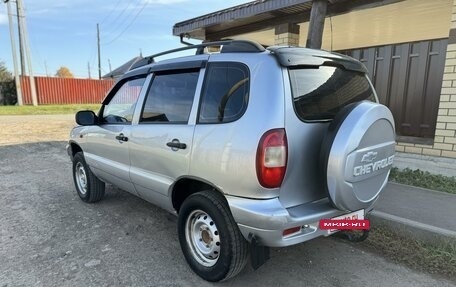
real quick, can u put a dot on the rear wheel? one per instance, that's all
(210, 238)
(88, 186)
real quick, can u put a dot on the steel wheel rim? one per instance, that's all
(81, 178)
(203, 238)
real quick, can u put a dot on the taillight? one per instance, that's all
(271, 160)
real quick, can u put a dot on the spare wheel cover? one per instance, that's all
(357, 155)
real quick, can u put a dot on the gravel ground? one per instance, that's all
(48, 237)
(29, 129)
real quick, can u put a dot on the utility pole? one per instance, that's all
(27, 52)
(13, 49)
(88, 69)
(316, 24)
(99, 59)
(19, 30)
(109, 62)
(46, 68)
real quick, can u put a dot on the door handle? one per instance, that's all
(175, 144)
(121, 137)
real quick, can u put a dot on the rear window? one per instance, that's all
(319, 93)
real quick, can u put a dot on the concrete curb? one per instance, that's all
(417, 230)
(435, 165)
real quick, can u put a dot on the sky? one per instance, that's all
(63, 33)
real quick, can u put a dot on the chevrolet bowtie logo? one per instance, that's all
(369, 157)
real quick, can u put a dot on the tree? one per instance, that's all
(64, 72)
(7, 86)
(5, 75)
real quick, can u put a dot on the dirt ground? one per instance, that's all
(29, 129)
(49, 237)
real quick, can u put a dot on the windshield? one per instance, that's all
(320, 92)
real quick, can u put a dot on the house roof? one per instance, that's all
(261, 14)
(122, 69)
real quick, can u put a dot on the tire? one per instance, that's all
(89, 188)
(217, 235)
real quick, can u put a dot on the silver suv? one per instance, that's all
(250, 147)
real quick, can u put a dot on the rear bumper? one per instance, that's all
(267, 219)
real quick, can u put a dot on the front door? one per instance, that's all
(107, 143)
(162, 140)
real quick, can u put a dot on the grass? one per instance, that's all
(434, 259)
(47, 109)
(424, 179)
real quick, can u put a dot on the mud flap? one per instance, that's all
(354, 236)
(259, 254)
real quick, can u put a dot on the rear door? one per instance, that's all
(161, 142)
(107, 143)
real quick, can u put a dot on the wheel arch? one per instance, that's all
(185, 186)
(75, 148)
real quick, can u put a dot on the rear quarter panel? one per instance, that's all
(303, 180)
(225, 154)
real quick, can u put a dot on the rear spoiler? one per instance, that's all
(294, 57)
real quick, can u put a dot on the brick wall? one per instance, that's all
(287, 39)
(287, 35)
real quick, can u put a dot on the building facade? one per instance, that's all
(409, 48)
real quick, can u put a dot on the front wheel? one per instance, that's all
(210, 238)
(89, 187)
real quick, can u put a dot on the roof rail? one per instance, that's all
(228, 46)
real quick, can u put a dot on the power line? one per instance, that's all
(94, 48)
(110, 12)
(129, 25)
(120, 15)
(36, 50)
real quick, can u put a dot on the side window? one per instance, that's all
(170, 97)
(122, 105)
(225, 94)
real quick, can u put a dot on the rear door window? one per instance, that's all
(319, 93)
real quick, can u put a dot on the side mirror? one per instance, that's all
(86, 118)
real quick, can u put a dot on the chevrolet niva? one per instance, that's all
(250, 147)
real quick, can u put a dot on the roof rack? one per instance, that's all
(228, 46)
